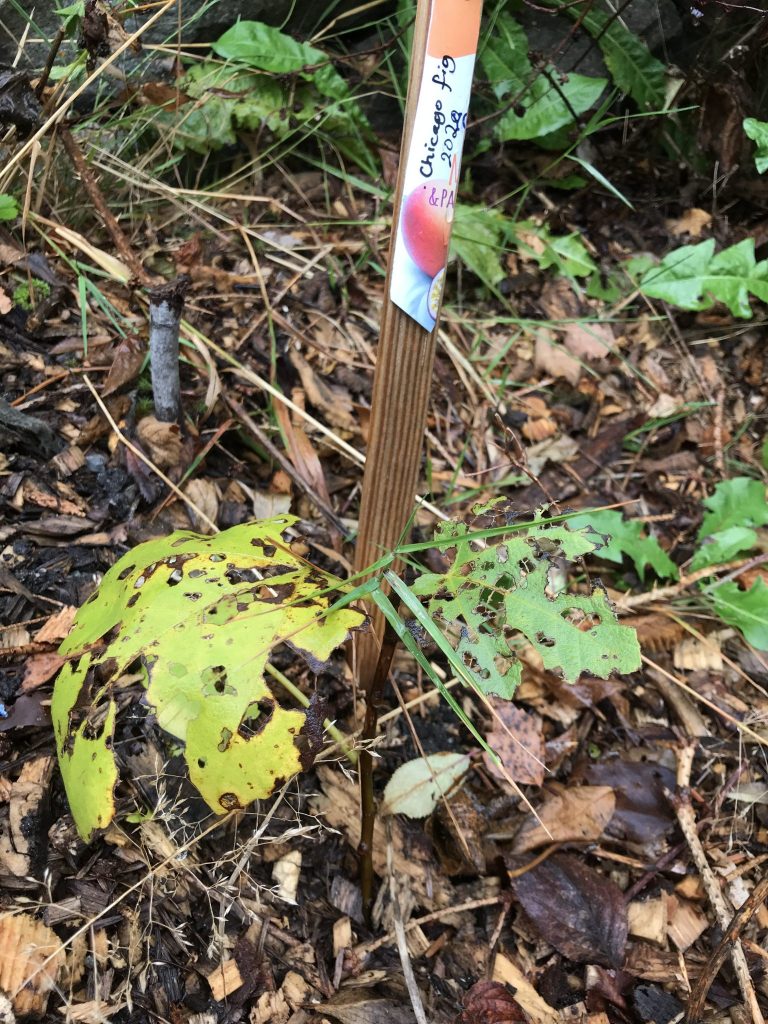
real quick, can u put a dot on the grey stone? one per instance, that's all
(190, 21)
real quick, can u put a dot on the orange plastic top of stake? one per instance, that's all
(454, 27)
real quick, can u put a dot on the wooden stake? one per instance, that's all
(401, 391)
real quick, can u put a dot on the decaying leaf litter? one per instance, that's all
(598, 905)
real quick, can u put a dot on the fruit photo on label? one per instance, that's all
(426, 225)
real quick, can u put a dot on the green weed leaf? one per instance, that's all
(694, 278)
(633, 67)
(626, 537)
(758, 132)
(737, 502)
(567, 254)
(746, 610)
(722, 546)
(492, 596)
(478, 239)
(265, 47)
(542, 101)
(199, 616)
(9, 208)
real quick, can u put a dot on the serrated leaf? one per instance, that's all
(490, 598)
(694, 278)
(758, 132)
(265, 47)
(627, 537)
(544, 101)
(723, 546)
(200, 616)
(737, 502)
(746, 610)
(633, 67)
(416, 786)
(9, 208)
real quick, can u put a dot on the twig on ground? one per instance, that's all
(96, 197)
(728, 944)
(166, 304)
(675, 589)
(402, 942)
(681, 802)
(740, 726)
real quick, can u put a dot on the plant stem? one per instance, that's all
(166, 304)
(374, 692)
(301, 698)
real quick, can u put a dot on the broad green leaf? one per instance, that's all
(633, 67)
(694, 278)
(234, 98)
(549, 103)
(723, 546)
(489, 599)
(267, 48)
(541, 101)
(83, 741)
(200, 616)
(758, 132)
(737, 502)
(478, 239)
(416, 786)
(746, 610)
(626, 537)
(9, 208)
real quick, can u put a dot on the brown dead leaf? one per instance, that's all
(575, 909)
(565, 352)
(517, 738)
(334, 401)
(57, 626)
(39, 669)
(129, 355)
(204, 495)
(5, 303)
(162, 441)
(490, 1002)
(691, 223)
(572, 814)
(26, 944)
(303, 455)
(365, 1006)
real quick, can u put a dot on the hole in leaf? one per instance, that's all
(545, 641)
(176, 577)
(126, 572)
(132, 600)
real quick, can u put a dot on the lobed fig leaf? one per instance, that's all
(199, 616)
(500, 591)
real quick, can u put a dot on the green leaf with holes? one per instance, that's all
(200, 617)
(499, 594)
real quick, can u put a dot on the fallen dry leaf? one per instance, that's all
(691, 223)
(536, 1008)
(129, 355)
(578, 911)
(204, 495)
(39, 669)
(25, 945)
(490, 1002)
(162, 441)
(364, 1006)
(57, 626)
(643, 814)
(5, 303)
(575, 814)
(516, 737)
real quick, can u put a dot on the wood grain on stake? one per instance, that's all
(403, 376)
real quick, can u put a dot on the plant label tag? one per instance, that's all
(433, 161)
